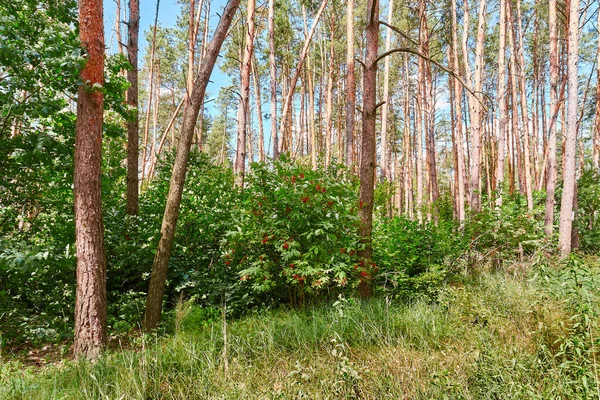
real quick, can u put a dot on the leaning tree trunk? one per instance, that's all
(161, 260)
(90, 303)
(290, 94)
(367, 160)
(132, 100)
(569, 179)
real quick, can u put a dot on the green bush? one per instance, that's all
(412, 258)
(295, 232)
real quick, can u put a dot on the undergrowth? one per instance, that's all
(499, 335)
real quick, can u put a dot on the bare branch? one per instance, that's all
(448, 70)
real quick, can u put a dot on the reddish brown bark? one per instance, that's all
(90, 303)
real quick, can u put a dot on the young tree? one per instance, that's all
(132, 100)
(569, 178)
(90, 303)
(192, 108)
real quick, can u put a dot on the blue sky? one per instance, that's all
(167, 17)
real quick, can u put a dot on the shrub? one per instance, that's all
(296, 232)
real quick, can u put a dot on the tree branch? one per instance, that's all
(399, 32)
(448, 70)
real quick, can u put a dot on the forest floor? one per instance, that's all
(531, 332)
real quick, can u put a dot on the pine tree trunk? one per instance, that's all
(133, 151)
(569, 178)
(161, 260)
(476, 116)
(501, 93)
(273, 78)
(150, 92)
(244, 106)
(596, 137)
(90, 303)
(369, 138)
(458, 121)
(350, 85)
(551, 170)
(261, 135)
(524, 113)
(329, 96)
(386, 96)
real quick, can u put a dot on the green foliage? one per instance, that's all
(500, 337)
(296, 231)
(506, 233)
(413, 258)
(588, 215)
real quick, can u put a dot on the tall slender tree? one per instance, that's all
(386, 95)
(501, 104)
(569, 172)
(133, 29)
(367, 160)
(244, 107)
(554, 109)
(350, 84)
(90, 303)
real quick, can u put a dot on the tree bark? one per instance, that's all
(350, 85)
(244, 108)
(569, 178)
(596, 138)
(458, 121)
(524, 113)
(367, 162)
(90, 303)
(150, 91)
(476, 115)
(261, 135)
(386, 96)
(192, 108)
(133, 151)
(551, 170)
(329, 95)
(273, 77)
(501, 93)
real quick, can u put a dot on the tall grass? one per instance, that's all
(496, 336)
